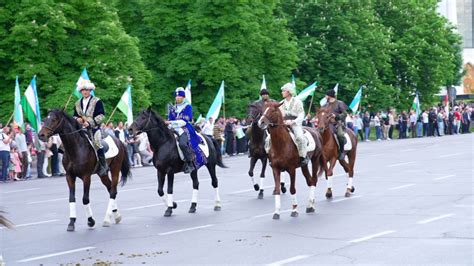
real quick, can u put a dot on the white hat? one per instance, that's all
(289, 87)
(85, 84)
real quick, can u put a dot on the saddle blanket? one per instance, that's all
(348, 145)
(311, 144)
(202, 145)
(110, 148)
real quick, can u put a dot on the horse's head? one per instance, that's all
(325, 117)
(272, 116)
(53, 124)
(146, 120)
(254, 111)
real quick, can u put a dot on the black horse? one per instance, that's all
(256, 137)
(80, 160)
(167, 161)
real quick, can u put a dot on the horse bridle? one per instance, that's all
(270, 124)
(58, 125)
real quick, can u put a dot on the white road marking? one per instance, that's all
(289, 260)
(344, 199)
(405, 150)
(247, 190)
(372, 236)
(403, 186)
(151, 205)
(138, 188)
(400, 164)
(35, 223)
(435, 218)
(50, 200)
(20, 190)
(268, 214)
(443, 177)
(450, 155)
(57, 254)
(185, 229)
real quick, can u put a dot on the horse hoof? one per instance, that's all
(348, 194)
(168, 212)
(217, 208)
(90, 222)
(106, 224)
(310, 209)
(353, 189)
(260, 194)
(251, 174)
(70, 228)
(256, 187)
(276, 216)
(118, 218)
(328, 195)
(294, 214)
(192, 209)
(175, 205)
(283, 188)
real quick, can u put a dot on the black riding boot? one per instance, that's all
(341, 147)
(187, 152)
(103, 167)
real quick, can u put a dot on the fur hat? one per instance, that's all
(264, 92)
(179, 92)
(289, 87)
(85, 85)
(331, 93)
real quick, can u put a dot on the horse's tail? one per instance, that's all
(125, 169)
(5, 222)
(220, 163)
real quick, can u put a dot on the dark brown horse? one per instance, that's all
(283, 156)
(331, 152)
(257, 151)
(80, 161)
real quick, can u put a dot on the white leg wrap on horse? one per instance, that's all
(294, 200)
(349, 182)
(88, 210)
(253, 180)
(195, 196)
(312, 192)
(277, 203)
(169, 200)
(329, 182)
(109, 207)
(218, 197)
(261, 182)
(164, 198)
(72, 210)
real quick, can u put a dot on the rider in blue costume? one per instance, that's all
(180, 117)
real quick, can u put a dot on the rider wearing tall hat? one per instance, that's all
(180, 117)
(339, 109)
(293, 115)
(89, 112)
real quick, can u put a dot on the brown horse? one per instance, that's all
(80, 161)
(257, 151)
(326, 118)
(283, 156)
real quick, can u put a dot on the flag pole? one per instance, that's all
(310, 104)
(113, 112)
(10, 119)
(68, 100)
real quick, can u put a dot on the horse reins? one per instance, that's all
(62, 134)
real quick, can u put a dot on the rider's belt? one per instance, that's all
(289, 117)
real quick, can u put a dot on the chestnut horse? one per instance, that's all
(80, 161)
(326, 118)
(257, 151)
(283, 156)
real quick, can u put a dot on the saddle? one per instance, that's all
(202, 145)
(311, 144)
(348, 145)
(110, 148)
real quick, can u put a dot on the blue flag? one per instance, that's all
(354, 106)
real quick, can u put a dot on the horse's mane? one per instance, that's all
(68, 118)
(161, 123)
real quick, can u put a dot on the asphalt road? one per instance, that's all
(413, 204)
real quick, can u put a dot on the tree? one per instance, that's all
(342, 42)
(55, 40)
(213, 41)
